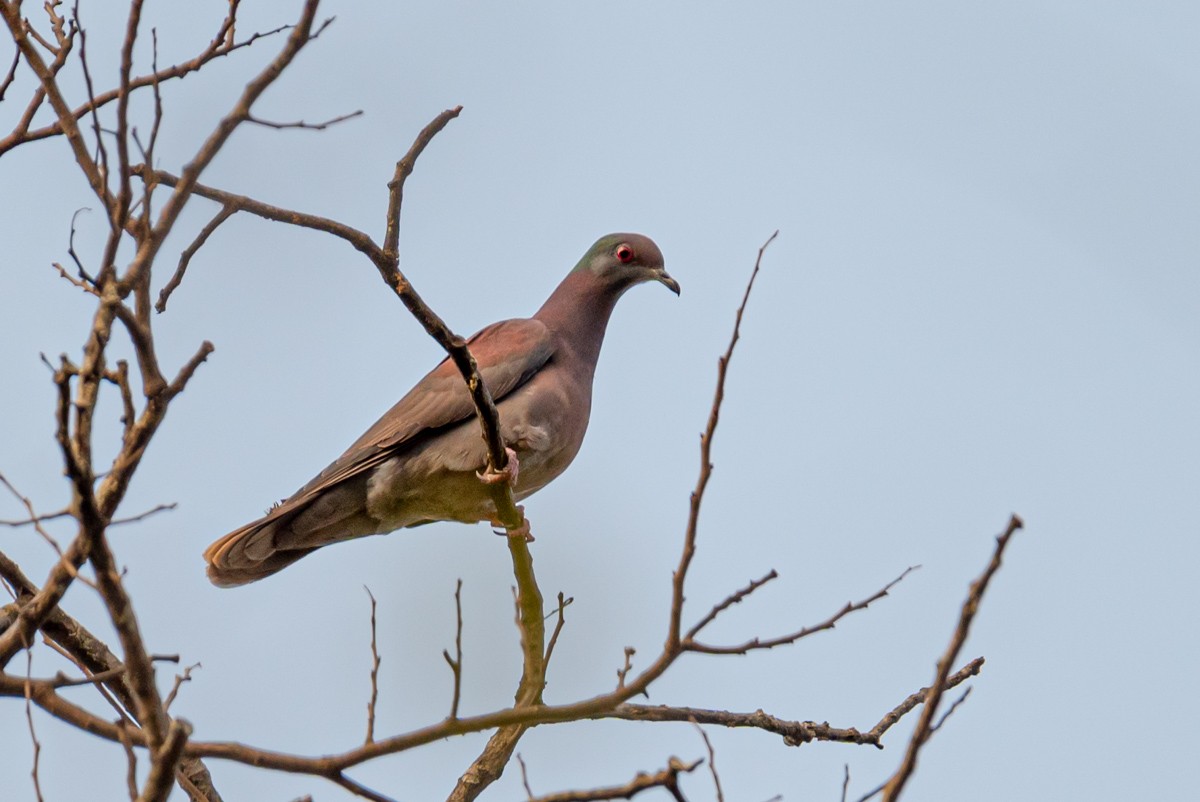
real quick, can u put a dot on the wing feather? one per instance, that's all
(508, 354)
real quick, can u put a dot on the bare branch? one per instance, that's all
(733, 598)
(189, 369)
(149, 245)
(531, 620)
(61, 53)
(49, 516)
(120, 377)
(11, 74)
(130, 761)
(88, 288)
(301, 124)
(404, 168)
(689, 541)
(359, 789)
(374, 673)
(186, 676)
(950, 711)
(794, 733)
(162, 770)
(597, 707)
(971, 669)
(783, 640)
(92, 655)
(141, 516)
(62, 681)
(455, 662)
(240, 203)
(221, 45)
(147, 152)
(626, 667)
(524, 776)
(185, 258)
(667, 778)
(37, 746)
(712, 762)
(561, 611)
(84, 276)
(34, 519)
(921, 733)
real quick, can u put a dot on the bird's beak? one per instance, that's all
(671, 284)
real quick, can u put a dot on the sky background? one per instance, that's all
(983, 300)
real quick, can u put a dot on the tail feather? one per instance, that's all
(247, 554)
(295, 528)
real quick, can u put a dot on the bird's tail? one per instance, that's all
(248, 554)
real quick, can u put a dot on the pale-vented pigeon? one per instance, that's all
(419, 462)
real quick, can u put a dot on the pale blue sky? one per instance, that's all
(983, 300)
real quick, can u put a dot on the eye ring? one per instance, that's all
(624, 254)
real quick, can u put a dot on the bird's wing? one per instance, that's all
(508, 354)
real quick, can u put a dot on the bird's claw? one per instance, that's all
(521, 532)
(508, 473)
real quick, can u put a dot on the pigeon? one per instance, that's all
(422, 461)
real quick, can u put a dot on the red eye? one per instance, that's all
(624, 254)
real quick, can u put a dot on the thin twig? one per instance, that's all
(186, 676)
(88, 288)
(321, 126)
(950, 711)
(84, 276)
(48, 516)
(971, 669)
(374, 673)
(120, 377)
(11, 74)
(358, 789)
(872, 793)
(524, 776)
(733, 598)
(62, 681)
(455, 662)
(130, 760)
(757, 643)
(558, 626)
(37, 746)
(34, 519)
(674, 636)
(667, 778)
(185, 258)
(712, 761)
(626, 667)
(141, 516)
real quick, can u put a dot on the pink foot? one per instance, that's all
(507, 474)
(521, 531)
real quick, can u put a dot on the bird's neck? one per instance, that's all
(578, 312)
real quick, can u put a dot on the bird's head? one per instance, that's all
(620, 261)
